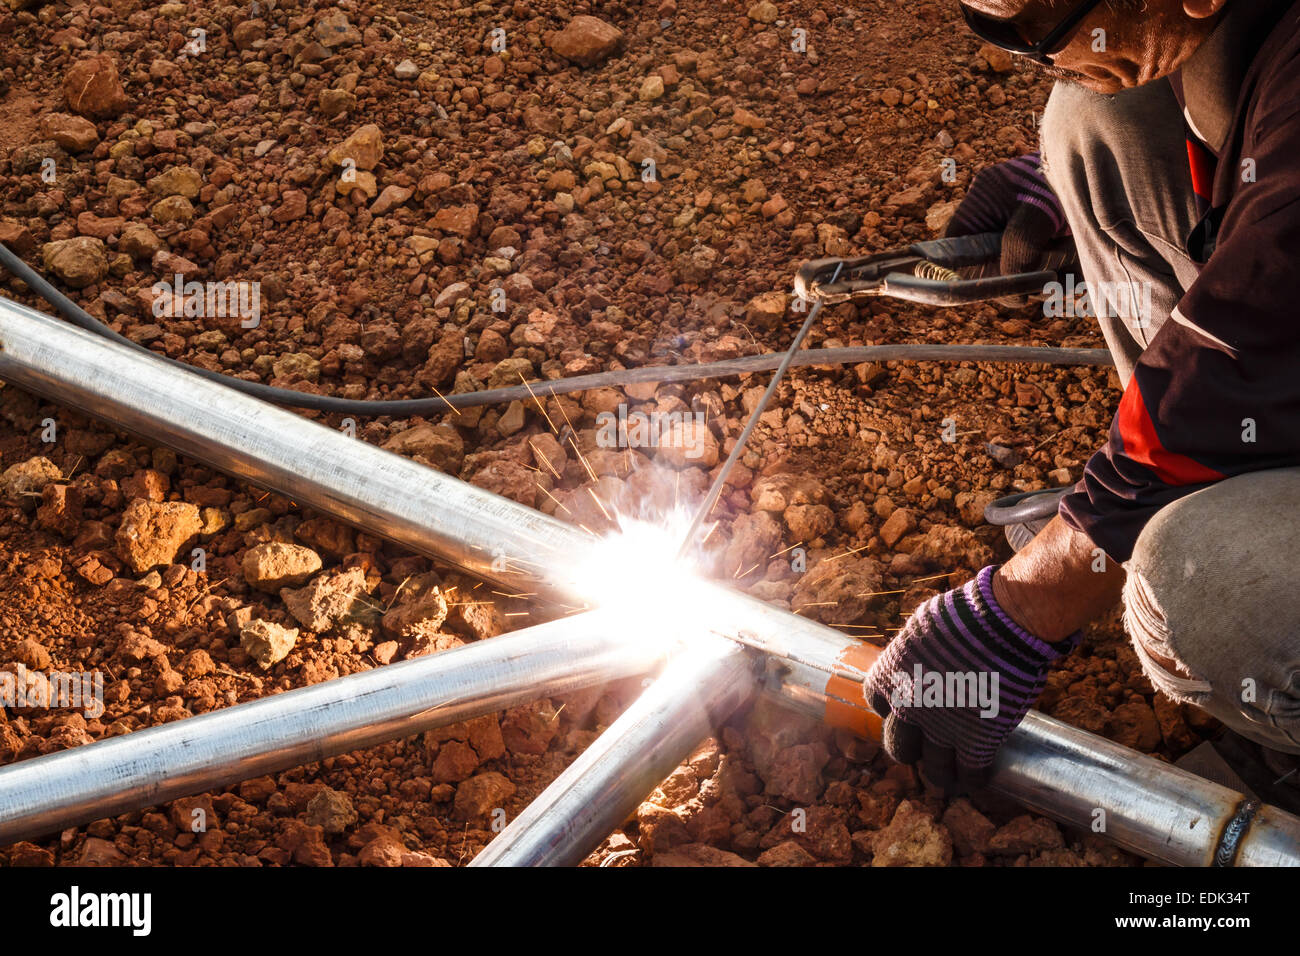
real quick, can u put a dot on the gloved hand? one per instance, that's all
(956, 681)
(1013, 198)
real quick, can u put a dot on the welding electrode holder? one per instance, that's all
(924, 272)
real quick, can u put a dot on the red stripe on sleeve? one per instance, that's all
(1142, 445)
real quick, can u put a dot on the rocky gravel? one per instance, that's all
(436, 197)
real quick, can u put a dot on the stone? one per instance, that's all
(153, 532)
(93, 88)
(365, 148)
(789, 853)
(478, 796)
(334, 30)
(754, 539)
(767, 309)
(248, 34)
(698, 854)
(24, 482)
(686, 444)
(276, 564)
(796, 772)
(458, 220)
(390, 199)
(998, 59)
(76, 134)
(99, 852)
(809, 522)
(331, 810)
(763, 12)
(327, 600)
(293, 206)
(439, 445)
(900, 522)
(970, 829)
(139, 241)
(587, 40)
(1026, 834)
(172, 209)
(652, 88)
(79, 261)
(529, 729)
(419, 609)
(912, 838)
(456, 761)
(177, 181)
(266, 642)
(1135, 725)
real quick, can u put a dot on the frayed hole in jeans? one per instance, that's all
(1150, 635)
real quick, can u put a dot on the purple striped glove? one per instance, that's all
(1013, 198)
(956, 681)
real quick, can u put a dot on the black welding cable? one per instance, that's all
(402, 408)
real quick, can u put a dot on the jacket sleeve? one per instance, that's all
(1217, 392)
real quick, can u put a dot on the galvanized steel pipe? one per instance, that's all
(45, 794)
(598, 791)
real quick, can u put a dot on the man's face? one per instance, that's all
(1118, 45)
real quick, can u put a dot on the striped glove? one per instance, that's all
(1013, 198)
(956, 681)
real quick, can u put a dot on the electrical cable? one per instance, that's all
(662, 374)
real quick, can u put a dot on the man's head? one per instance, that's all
(1119, 44)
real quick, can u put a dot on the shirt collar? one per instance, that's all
(1212, 77)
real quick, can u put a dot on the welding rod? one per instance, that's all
(715, 491)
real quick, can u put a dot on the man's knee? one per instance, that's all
(1211, 606)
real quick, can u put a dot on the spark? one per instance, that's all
(536, 401)
(836, 557)
(557, 501)
(934, 577)
(444, 399)
(595, 498)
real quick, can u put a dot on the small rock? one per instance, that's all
(76, 134)
(24, 482)
(92, 87)
(478, 796)
(327, 600)
(331, 811)
(912, 839)
(152, 532)
(333, 30)
(79, 261)
(587, 40)
(390, 199)
(365, 147)
(440, 445)
(788, 853)
(266, 642)
(274, 565)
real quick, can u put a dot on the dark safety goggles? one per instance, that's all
(1005, 34)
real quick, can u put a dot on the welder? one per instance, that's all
(1170, 152)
